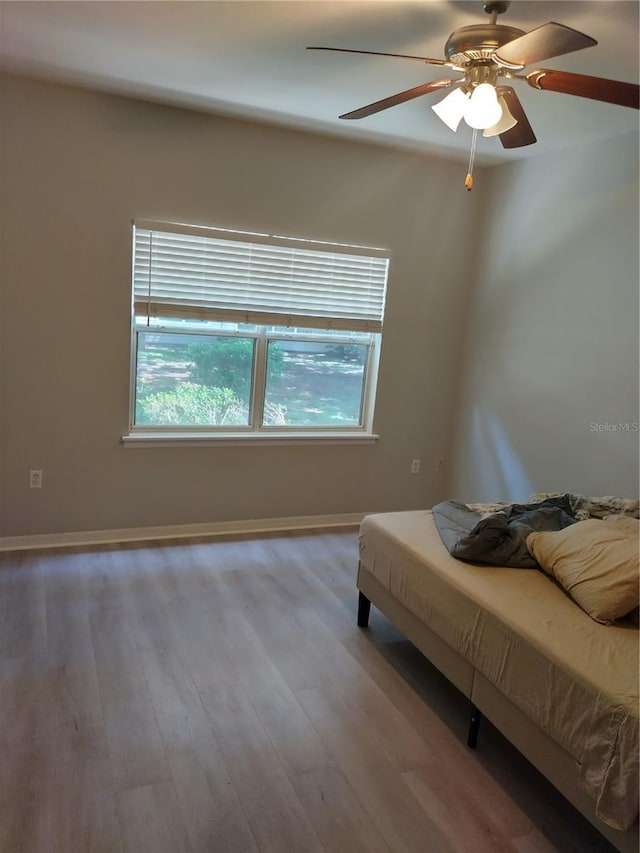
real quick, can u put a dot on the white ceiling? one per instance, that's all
(247, 58)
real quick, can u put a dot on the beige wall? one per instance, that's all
(76, 168)
(553, 340)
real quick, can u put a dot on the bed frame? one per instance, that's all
(546, 755)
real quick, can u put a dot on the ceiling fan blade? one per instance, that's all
(542, 43)
(596, 88)
(400, 98)
(397, 55)
(521, 134)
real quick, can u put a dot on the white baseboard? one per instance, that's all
(179, 531)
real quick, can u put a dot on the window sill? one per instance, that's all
(173, 439)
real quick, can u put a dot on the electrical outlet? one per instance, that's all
(415, 466)
(439, 466)
(35, 479)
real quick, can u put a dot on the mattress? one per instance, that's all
(575, 678)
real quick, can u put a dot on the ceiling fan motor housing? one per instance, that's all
(478, 42)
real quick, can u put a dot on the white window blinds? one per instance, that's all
(200, 273)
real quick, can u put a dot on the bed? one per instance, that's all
(561, 687)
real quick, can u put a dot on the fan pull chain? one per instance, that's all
(468, 181)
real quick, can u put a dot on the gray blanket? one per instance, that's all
(500, 538)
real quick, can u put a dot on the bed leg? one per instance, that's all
(364, 608)
(474, 725)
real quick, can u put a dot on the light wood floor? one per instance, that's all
(218, 696)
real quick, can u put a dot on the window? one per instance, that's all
(251, 334)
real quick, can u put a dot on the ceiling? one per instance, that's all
(247, 58)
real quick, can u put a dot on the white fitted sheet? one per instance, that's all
(575, 678)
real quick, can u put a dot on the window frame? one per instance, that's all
(255, 431)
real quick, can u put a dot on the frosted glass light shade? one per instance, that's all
(452, 108)
(483, 110)
(506, 122)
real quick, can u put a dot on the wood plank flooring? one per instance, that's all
(217, 697)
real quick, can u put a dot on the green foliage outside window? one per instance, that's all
(193, 405)
(355, 353)
(199, 381)
(228, 364)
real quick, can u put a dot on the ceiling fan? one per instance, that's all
(487, 55)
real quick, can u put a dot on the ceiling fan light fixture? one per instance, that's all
(506, 122)
(483, 109)
(451, 109)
